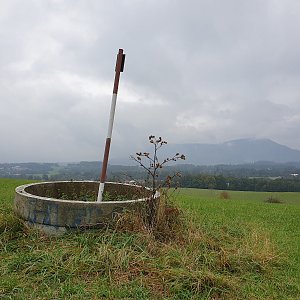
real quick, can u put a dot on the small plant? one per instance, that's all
(273, 199)
(107, 196)
(152, 165)
(64, 196)
(224, 195)
(84, 195)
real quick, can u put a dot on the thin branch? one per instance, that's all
(141, 164)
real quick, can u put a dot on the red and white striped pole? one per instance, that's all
(119, 68)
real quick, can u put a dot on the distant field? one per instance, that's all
(240, 248)
(285, 197)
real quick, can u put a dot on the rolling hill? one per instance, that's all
(234, 152)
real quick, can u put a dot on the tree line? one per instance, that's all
(221, 182)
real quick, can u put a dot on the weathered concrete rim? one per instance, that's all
(21, 191)
(52, 214)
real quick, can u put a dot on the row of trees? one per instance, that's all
(202, 181)
(221, 182)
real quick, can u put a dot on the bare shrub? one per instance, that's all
(153, 165)
(273, 199)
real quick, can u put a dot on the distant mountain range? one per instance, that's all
(239, 158)
(238, 151)
(234, 152)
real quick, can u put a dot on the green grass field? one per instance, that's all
(237, 248)
(280, 221)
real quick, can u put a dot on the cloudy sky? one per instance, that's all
(196, 71)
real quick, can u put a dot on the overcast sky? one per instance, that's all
(195, 72)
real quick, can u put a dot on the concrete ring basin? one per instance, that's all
(57, 206)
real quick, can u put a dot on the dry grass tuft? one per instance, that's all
(273, 199)
(169, 222)
(224, 195)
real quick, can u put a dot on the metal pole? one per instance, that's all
(119, 68)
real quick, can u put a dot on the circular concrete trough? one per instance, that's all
(57, 206)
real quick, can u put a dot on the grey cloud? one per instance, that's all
(196, 71)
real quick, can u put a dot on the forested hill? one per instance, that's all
(235, 152)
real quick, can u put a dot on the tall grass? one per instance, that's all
(204, 249)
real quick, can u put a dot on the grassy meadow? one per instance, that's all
(236, 248)
(249, 211)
